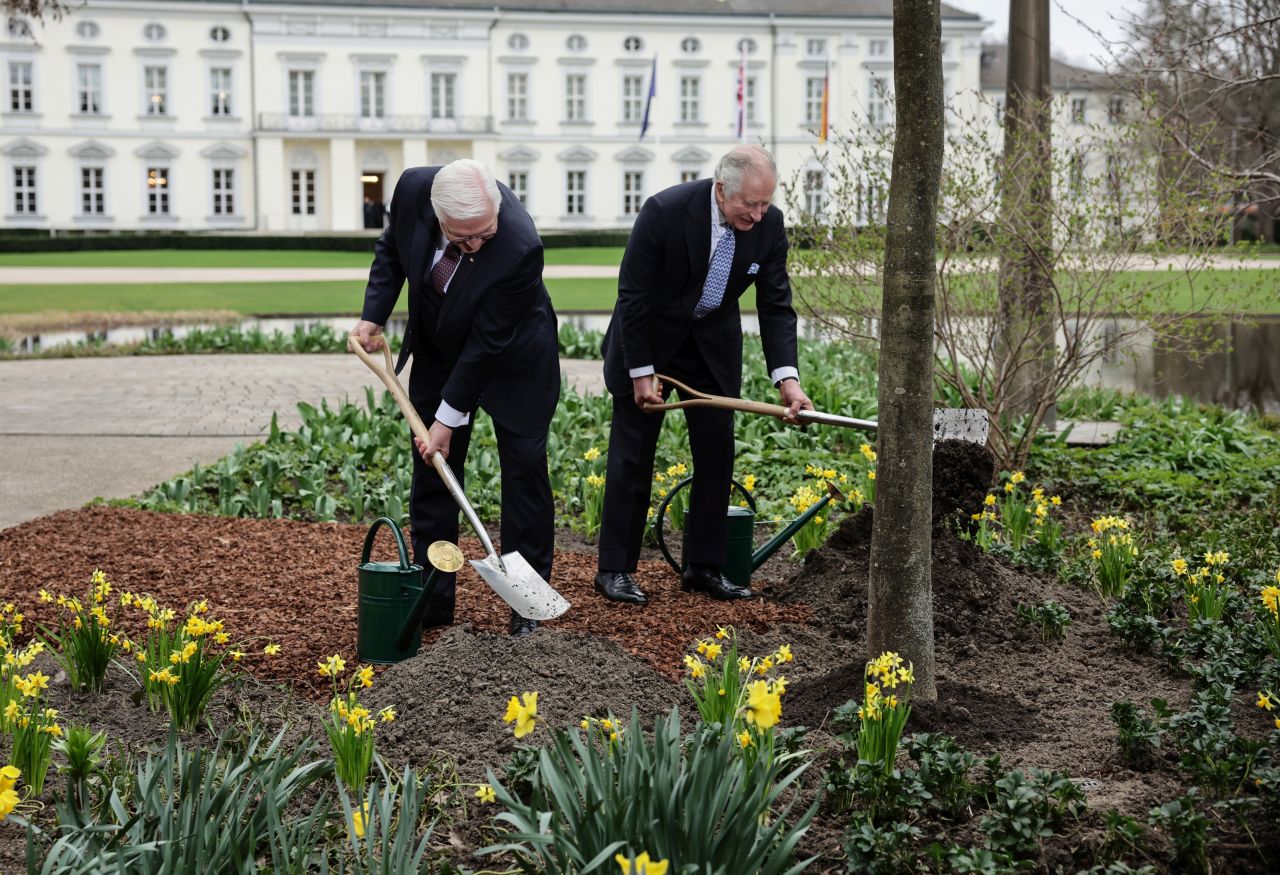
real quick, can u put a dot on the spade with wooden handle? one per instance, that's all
(510, 575)
(949, 424)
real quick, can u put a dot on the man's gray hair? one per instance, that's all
(464, 190)
(741, 161)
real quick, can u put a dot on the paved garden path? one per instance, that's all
(73, 429)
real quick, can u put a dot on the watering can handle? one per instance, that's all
(400, 544)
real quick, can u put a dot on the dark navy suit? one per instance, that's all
(489, 343)
(659, 284)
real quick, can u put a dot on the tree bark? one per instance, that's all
(1027, 337)
(900, 609)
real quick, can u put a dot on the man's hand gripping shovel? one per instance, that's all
(510, 575)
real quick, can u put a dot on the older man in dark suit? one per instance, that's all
(694, 249)
(483, 335)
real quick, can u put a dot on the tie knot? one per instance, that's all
(451, 251)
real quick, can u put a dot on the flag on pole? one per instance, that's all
(826, 100)
(653, 89)
(742, 92)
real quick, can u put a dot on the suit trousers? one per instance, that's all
(528, 515)
(633, 439)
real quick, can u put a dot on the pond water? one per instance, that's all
(1240, 369)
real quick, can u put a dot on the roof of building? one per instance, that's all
(752, 8)
(995, 71)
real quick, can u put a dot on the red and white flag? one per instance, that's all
(742, 92)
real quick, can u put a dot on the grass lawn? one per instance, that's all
(255, 258)
(1251, 291)
(251, 298)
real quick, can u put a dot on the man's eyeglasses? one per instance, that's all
(478, 238)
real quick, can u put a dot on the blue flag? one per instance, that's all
(653, 89)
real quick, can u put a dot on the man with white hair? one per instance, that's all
(483, 335)
(694, 250)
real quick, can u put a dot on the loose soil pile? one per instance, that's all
(999, 688)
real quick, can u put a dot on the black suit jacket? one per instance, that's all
(491, 341)
(661, 279)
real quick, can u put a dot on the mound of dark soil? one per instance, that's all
(452, 695)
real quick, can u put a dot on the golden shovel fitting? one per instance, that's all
(509, 575)
(949, 423)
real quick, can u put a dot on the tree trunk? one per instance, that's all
(900, 609)
(1027, 336)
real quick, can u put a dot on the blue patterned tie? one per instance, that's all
(717, 275)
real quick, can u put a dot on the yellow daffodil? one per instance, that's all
(387, 714)
(1264, 701)
(723, 633)
(641, 865)
(485, 794)
(359, 819)
(713, 652)
(592, 454)
(365, 676)
(524, 714)
(764, 706)
(744, 739)
(1179, 566)
(271, 649)
(989, 501)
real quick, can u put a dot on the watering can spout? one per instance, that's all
(760, 556)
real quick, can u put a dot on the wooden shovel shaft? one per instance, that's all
(388, 376)
(694, 398)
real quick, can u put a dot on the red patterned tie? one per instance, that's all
(444, 268)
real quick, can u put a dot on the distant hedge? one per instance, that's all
(40, 241)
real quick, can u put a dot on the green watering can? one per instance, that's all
(393, 597)
(740, 561)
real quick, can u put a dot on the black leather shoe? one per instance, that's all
(711, 582)
(617, 586)
(521, 626)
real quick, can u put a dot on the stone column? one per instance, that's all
(344, 186)
(272, 189)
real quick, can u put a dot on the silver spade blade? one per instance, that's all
(517, 584)
(956, 424)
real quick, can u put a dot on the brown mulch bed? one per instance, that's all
(294, 584)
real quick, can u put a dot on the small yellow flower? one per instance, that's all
(365, 676)
(485, 793)
(237, 655)
(713, 652)
(1264, 701)
(1179, 566)
(989, 501)
(1008, 487)
(592, 454)
(1017, 477)
(641, 865)
(524, 714)
(387, 714)
(45, 596)
(764, 706)
(721, 633)
(783, 654)
(359, 819)
(271, 649)
(744, 739)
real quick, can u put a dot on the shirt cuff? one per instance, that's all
(446, 415)
(777, 375)
(645, 371)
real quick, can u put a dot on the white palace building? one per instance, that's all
(268, 116)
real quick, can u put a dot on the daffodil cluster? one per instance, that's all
(1017, 517)
(1269, 616)
(523, 712)
(1205, 590)
(9, 798)
(741, 694)
(32, 726)
(607, 729)
(87, 638)
(349, 724)
(885, 708)
(666, 482)
(13, 683)
(1267, 701)
(590, 496)
(182, 663)
(1114, 553)
(868, 456)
